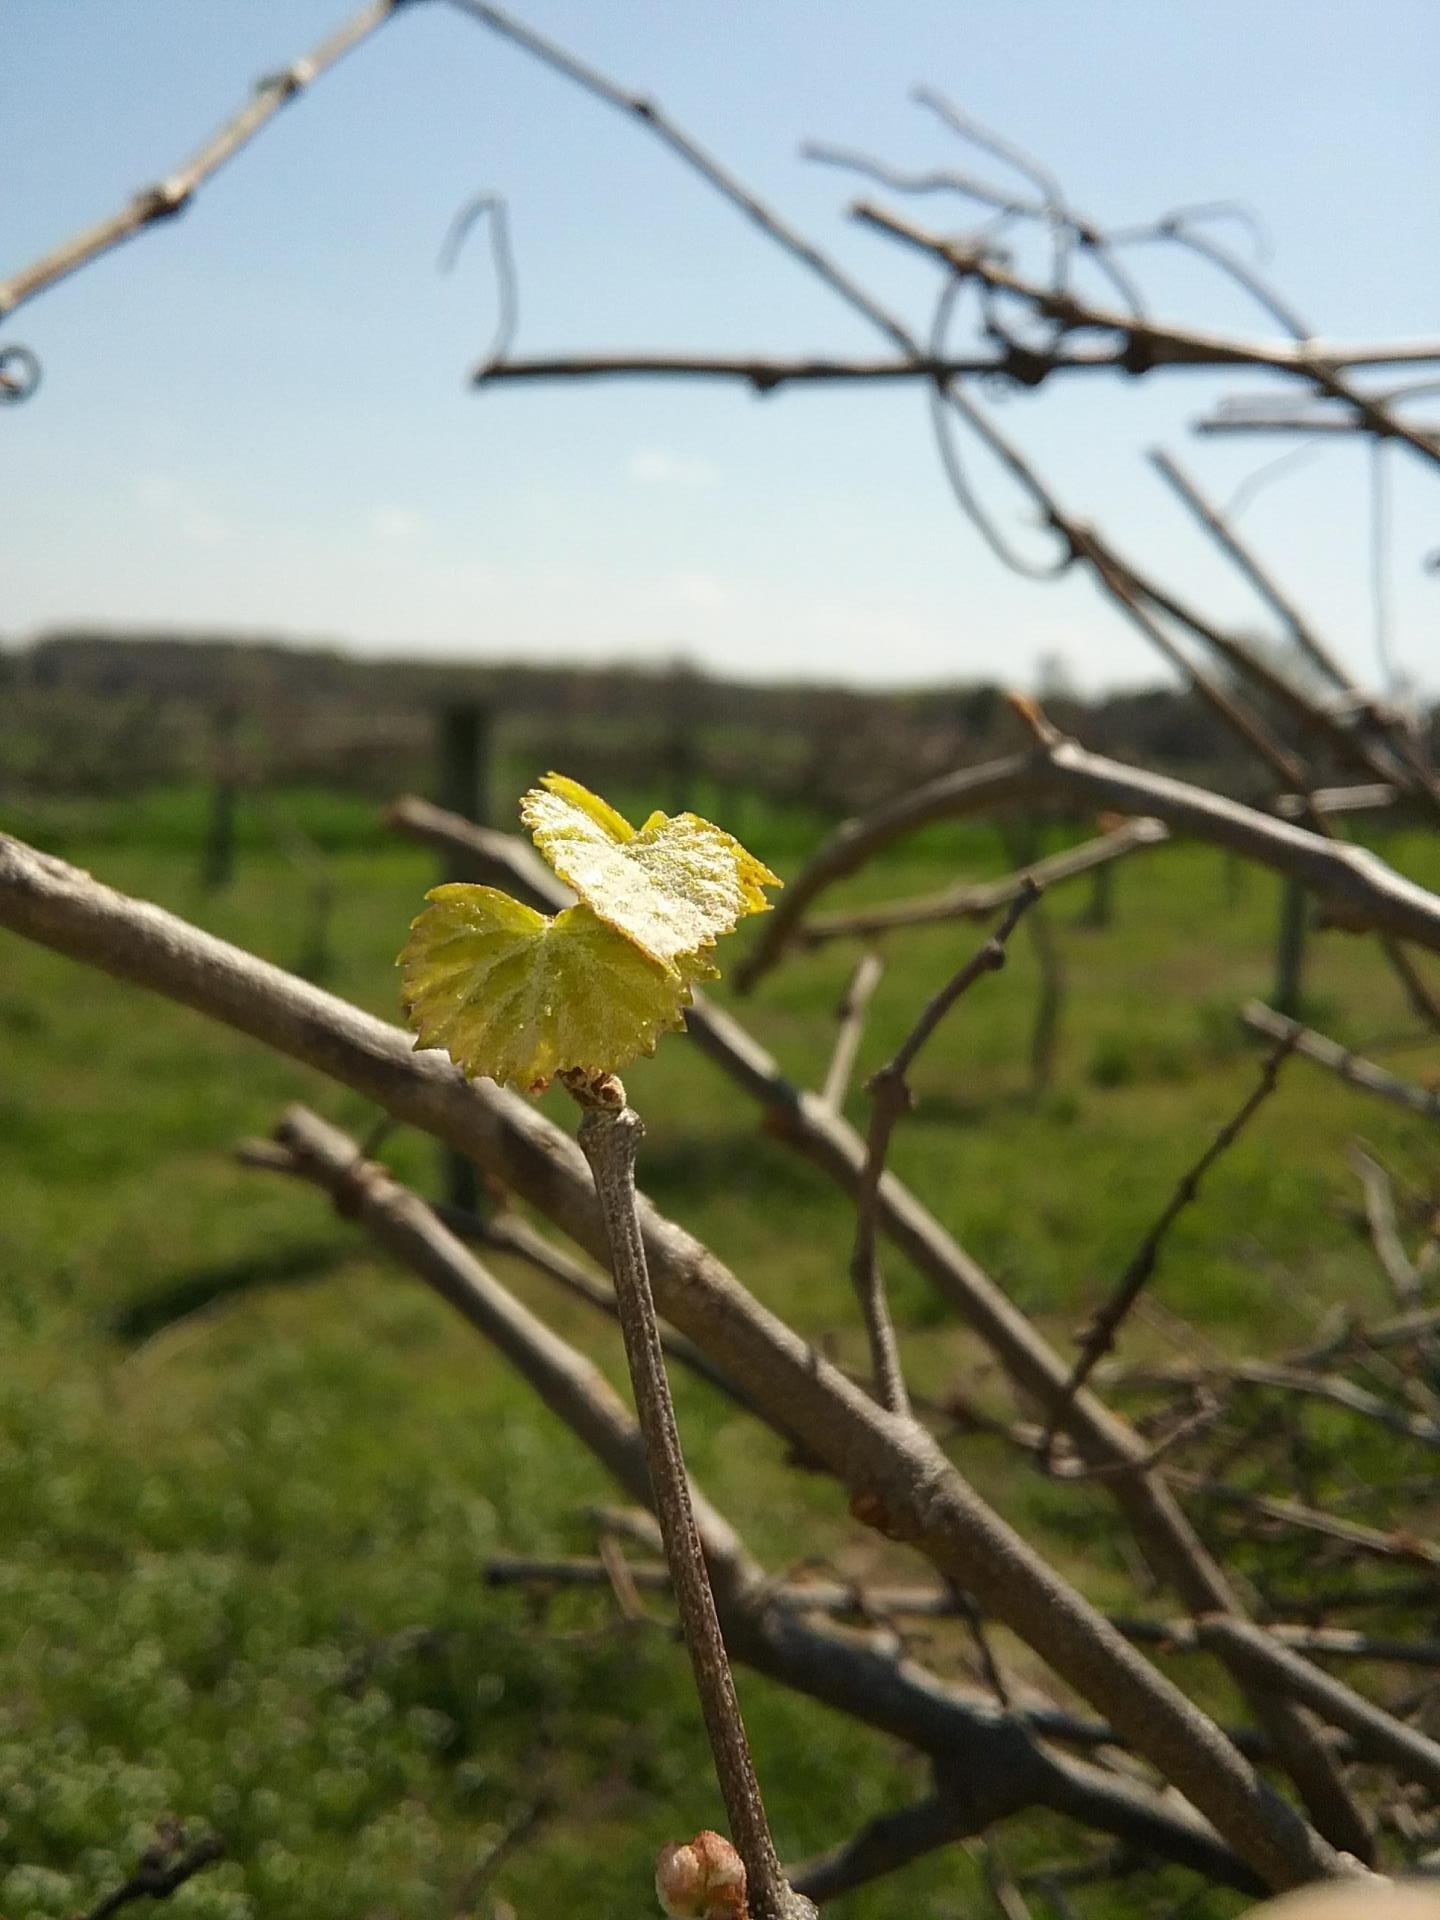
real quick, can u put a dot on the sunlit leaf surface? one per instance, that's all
(517, 995)
(521, 996)
(672, 888)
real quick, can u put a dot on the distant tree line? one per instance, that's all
(95, 712)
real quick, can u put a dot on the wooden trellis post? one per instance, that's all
(681, 745)
(1100, 910)
(1290, 947)
(217, 865)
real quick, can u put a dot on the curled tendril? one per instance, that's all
(944, 399)
(492, 208)
(20, 375)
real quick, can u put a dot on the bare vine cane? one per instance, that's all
(610, 1134)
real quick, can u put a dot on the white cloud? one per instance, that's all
(697, 592)
(398, 526)
(655, 467)
(159, 495)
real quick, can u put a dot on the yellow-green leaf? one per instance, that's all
(672, 888)
(519, 996)
(606, 817)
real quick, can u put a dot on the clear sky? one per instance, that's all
(257, 418)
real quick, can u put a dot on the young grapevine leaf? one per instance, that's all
(672, 888)
(606, 817)
(518, 995)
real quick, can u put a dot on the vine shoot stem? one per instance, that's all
(609, 1136)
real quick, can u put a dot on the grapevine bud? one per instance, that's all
(701, 1879)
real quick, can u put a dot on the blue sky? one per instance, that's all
(257, 418)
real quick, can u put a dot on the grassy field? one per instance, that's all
(250, 1476)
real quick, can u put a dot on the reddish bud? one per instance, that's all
(701, 1879)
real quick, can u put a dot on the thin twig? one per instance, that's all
(1384, 1233)
(859, 991)
(1332, 1388)
(1048, 1001)
(1398, 1545)
(890, 1096)
(1099, 1336)
(1349, 1066)
(1150, 342)
(1022, 366)
(977, 900)
(1272, 420)
(610, 1133)
(1009, 1902)
(855, 1600)
(948, 401)
(651, 116)
(989, 958)
(1423, 1002)
(622, 1582)
(1376, 1733)
(511, 1570)
(1263, 581)
(504, 1231)
(173, 194)
(884, 1845)
(1353, 737)
(162, 1869)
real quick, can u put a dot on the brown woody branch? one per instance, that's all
(162, 1869)
(883, 1846)
(859, 991)
(877, 1603)
(1332, 1388)
(503, 1231)
(993, 1768)
(1275, 421)
(1078, 541)
(945, 393)
(1260, 577)
(1366, 717)
(1399, 1545)
(1150, 343)
(1025, 366)
(1348, 1066)
(1162, 1531)
(1099, 1336)
(173, 194)
(898, 1477)
(1361, 890)
(1376, 1733)
(977, 900)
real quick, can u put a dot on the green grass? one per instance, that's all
(249, 1475)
